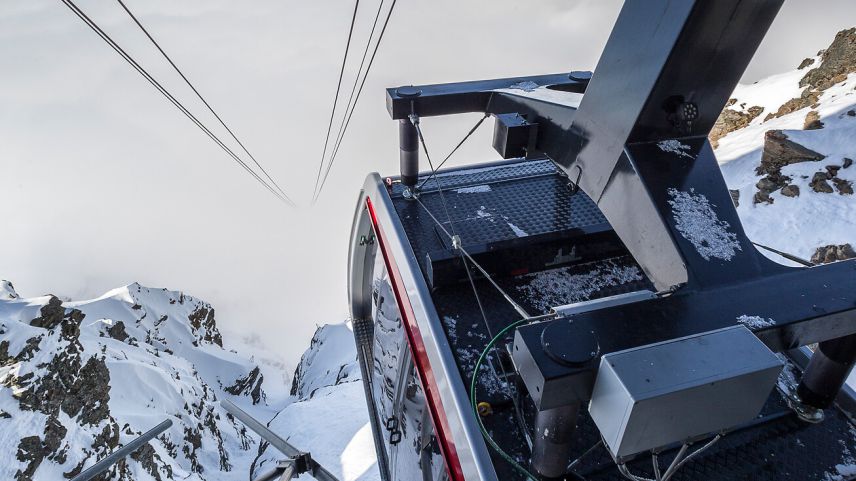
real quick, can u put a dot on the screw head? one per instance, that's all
(408, 91)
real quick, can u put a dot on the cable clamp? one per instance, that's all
(456, 242)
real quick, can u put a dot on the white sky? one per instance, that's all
(103, 183)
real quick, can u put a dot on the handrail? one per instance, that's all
(294, 454)
(120, 453)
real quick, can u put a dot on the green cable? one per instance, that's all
(484, 432)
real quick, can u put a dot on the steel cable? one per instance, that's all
(338, 89)
(205, 102)
(104, 36)
(354, 106)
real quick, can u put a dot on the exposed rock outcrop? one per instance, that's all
(836, 62)
(204, 326)
(780, 151)
(730, 120)
(833, 253)
(812, 121)
(250, 385)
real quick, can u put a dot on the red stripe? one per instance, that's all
(417, 347)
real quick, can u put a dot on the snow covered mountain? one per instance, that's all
(78, 379)
(787, 146)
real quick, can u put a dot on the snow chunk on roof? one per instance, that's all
(755, 322)
(675, 147)
(526, 86)
(548, 289)
(698, 223)
(517, 230)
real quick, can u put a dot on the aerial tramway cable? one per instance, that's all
(338, 89)
(347, 119)
(104, 36)
(211, 109)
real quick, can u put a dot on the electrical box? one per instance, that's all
(513, 135)
(651, 396)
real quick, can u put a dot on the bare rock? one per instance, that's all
(730, 120)
(151, 462)
(812, 121)
(833, 253)
(735, 197)
(117, 331)
(52, 314)
(204, 326)
(791, 190)
(766, 184)
(819, 183)
(838, 60)
(807, 62)
(851, 113)
(845, 187)
(780, 151)
(251, 385)
(833, 170)
(847, 162)
(30, 451)
(762, 197)
(808, 98)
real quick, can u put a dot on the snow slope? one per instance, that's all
(797, 225)
(327, 414)
(78, 379)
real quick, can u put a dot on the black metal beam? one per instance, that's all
(662, 56)
(785, 311)
(465, 97)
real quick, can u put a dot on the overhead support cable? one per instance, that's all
(357, 77)
(336, 97)
(347, 121)
(211, 109)
(142, 71)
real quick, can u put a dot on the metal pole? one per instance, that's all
(409, 152)
(280, 444)
(553, 440)
(827, 371)
(120, 453)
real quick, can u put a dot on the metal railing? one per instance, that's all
(120, 453)
(297, 463)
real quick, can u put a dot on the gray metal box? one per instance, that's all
(651, 396)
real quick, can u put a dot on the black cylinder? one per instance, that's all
(827, 371)
(408, 140)
(551, 447)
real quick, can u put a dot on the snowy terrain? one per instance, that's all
(327, 413)
(797, 225)
(78, 379)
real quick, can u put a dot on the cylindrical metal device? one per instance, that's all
(552, 443)
(827, 371)
(408, 140)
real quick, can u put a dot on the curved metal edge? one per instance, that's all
(471, 450)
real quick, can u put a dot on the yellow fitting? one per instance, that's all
(484, 409)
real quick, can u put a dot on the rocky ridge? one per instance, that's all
(79, 379)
